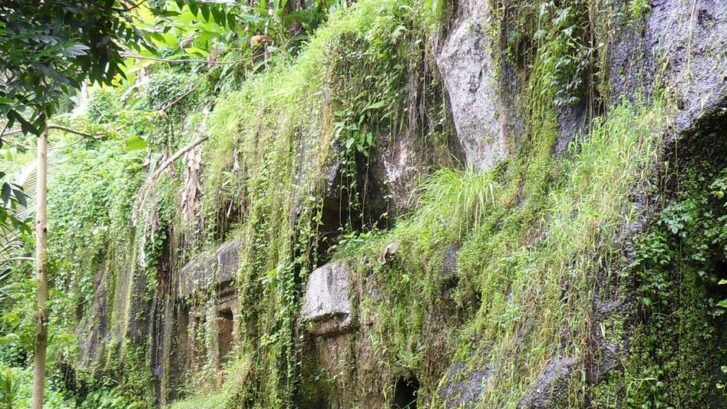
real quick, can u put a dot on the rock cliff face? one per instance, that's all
(469, 72)
(344, 355)
(680, 46)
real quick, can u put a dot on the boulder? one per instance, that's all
(388, 252)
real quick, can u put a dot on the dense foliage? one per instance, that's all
(48, 48)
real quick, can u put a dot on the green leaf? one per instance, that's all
(20, 196)
(76, 50)
(231, 22)
(205, 12)
(25, 125)
(375, 105)
(5, 193)
(219, 16)
(197, 52)
(135, 143)
(156, 36)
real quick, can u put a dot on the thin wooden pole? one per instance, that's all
(41, 273)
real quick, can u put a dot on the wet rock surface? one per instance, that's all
(551, 387)
(464, 387)
(450, 262)
(680, 45)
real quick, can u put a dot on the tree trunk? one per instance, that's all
(41, 273)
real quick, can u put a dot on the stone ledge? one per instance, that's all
(326, 302)
(210, 268)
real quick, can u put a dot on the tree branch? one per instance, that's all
(73, 131)
(174, 157)
(10, 133)
(179, 60)
(51, 127)
(128, 7)
(179, 98)
(144, 191)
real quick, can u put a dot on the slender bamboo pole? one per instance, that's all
(41, 273)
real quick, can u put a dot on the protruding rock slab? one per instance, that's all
(680, 46)
(468, 70)
(207, 269)
(326, 303)
(228, 260)
(197, 274)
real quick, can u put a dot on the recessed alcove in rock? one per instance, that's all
(680, 259)
(224, 334)
(351, 205)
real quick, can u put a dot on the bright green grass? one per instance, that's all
(212, 401)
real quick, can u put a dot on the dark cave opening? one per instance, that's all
(405, 393)
(719, 272)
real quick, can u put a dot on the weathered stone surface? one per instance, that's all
(681, 45)
(450, 261)
(464, 387)
(207, 269)
(95, 328)
(551, 387)
(228, 261)
(388, 252)
(608, 348)
(465, 62)
(326, 302)
(196, 274)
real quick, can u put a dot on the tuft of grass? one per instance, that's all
(212, 401)
(638, 9)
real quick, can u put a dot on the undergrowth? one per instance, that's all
(676, 352)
